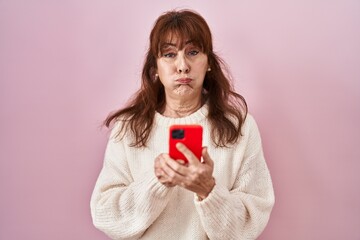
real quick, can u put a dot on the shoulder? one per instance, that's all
(116, 127)
(250, 132)
(119, 131)
(249, 123)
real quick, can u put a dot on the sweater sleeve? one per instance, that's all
(121, 207)
(243, 211)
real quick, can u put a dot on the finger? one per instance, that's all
(158, 173)
(170, 174)
(158, 163)
(176, 166)
(206, 157)
(187, 153)
(162, 160)
(180, 161)
(158, 160)
(162, 178)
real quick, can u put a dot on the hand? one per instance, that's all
(196, 176)
(160, 173)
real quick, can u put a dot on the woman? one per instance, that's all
(143, 193)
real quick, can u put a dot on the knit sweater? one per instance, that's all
(129, 202)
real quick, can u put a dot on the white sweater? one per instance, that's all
(128, 202)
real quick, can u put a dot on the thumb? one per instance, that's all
(206, 157)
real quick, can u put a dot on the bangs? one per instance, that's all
(179, 39)
(181, 30)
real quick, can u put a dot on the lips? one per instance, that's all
(184, 80)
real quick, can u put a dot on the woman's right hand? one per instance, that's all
(160, 163)
(196, 176)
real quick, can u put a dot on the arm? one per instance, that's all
(121, 207)
(242, 212)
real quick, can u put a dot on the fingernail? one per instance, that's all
(181, 161)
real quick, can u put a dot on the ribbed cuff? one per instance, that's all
(217, 194)
(152, 186)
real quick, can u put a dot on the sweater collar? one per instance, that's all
(193, 118)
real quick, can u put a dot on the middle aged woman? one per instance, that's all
(143, 193)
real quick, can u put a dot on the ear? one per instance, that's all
(155, 70)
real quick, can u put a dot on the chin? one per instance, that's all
(184, 92)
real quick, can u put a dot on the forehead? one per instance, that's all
(176, 39)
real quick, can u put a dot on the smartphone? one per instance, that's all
(190, 136)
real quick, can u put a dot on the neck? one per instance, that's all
(181, 108)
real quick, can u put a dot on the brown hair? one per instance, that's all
(224, 103)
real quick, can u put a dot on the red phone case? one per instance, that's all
(190, 136)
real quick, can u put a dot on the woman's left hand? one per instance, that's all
(195, 176)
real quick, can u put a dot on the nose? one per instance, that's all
(182, 65)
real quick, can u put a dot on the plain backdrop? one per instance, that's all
(64, 65)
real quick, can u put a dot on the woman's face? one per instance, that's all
(182, 71)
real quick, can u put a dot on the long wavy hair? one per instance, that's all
(224, 104)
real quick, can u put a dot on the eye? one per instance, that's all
(169, 55)
(193, 52)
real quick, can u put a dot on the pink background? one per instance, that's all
(64, 65)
